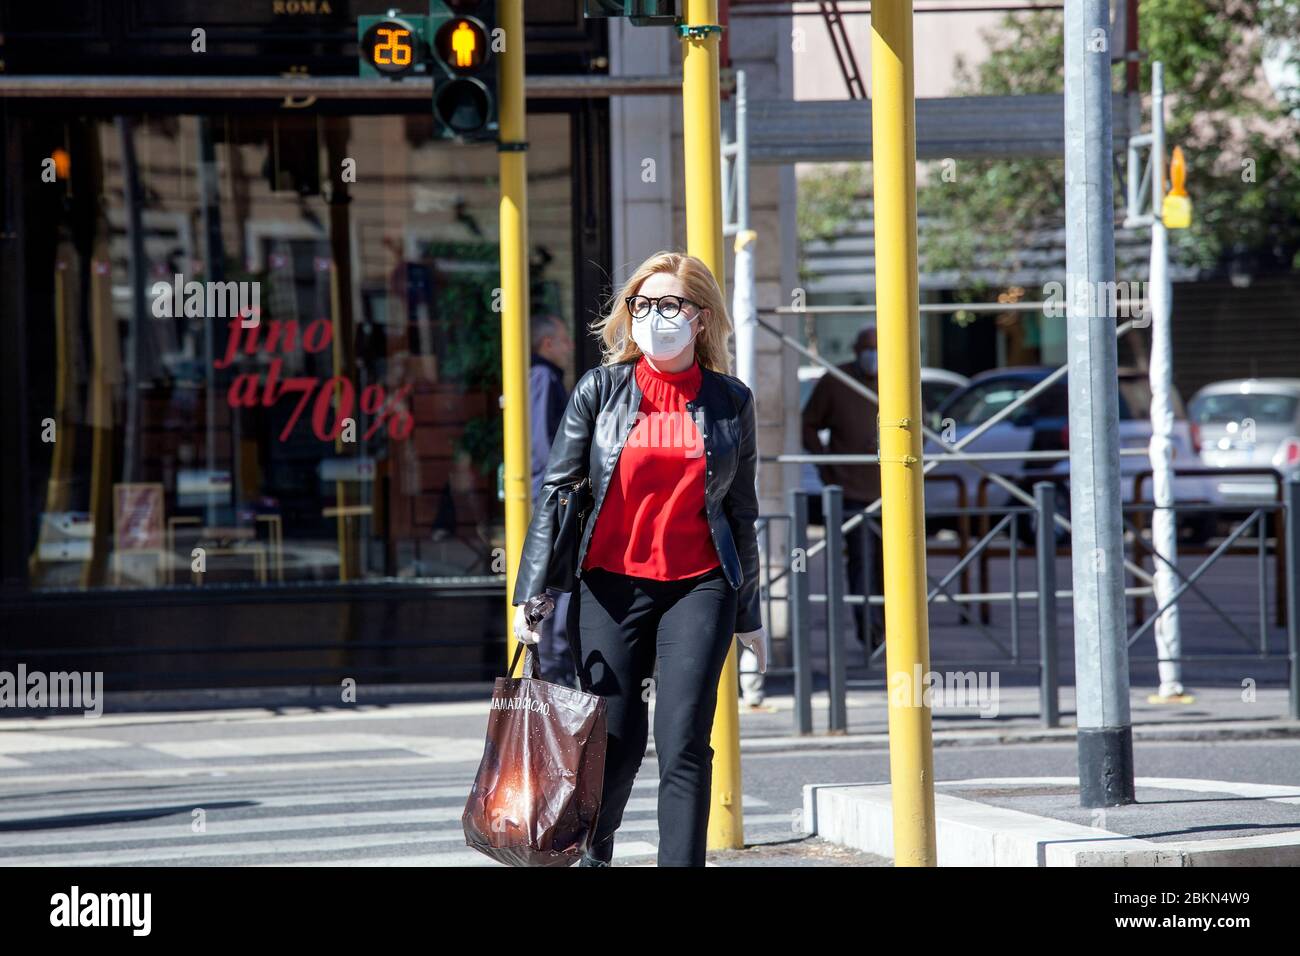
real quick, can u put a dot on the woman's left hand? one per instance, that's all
(756, 641)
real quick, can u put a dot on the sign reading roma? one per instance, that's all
(332, 400)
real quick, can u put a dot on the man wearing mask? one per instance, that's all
(851, 420)
(552, 347)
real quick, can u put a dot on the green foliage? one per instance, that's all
(1229, 123)
(470, 332)
(482, 441)
(828, 200)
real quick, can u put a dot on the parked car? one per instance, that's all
(1043, 425)
(936, 385)
(1248, 423)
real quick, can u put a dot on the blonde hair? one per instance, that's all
(615, 329)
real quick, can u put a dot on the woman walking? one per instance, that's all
(667, 564)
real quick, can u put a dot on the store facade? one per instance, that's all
(251, 359)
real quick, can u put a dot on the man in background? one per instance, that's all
(851, 420)
(552, 347)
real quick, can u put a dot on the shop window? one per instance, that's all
(269, 348)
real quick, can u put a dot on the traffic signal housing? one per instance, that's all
(463, 39)
(640, 12)
(453, 45)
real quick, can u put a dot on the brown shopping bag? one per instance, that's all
(537, 793)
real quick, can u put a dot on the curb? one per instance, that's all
(969, 833)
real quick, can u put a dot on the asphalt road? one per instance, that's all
(386, 787)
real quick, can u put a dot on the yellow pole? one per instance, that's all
(702, 142)
(514, 292)
(907, 652)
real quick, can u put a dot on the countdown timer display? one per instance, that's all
(391, 47)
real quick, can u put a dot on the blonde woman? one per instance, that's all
(668, 560)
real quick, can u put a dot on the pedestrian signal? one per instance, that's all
(1176, 211)
(453, 45)
(465, 36)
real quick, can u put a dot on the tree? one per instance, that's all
(1241, 137)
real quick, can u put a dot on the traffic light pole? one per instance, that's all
(702, 143)
(1105, 735)
(512, 157)
(907, 652)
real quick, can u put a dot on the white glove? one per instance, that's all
(522, 633)
(756, 641)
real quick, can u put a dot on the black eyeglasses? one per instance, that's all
(669, 305)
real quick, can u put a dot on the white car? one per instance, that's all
(1043, 425)
(1248, 423)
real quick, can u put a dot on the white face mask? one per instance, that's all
(662, 339)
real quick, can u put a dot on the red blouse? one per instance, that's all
(653, 522)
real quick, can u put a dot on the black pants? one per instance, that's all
(617, 626)
(866, 570)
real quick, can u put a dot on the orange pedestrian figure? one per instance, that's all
(463, 43)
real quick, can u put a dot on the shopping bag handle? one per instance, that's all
(531, 668)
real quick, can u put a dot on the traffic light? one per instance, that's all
(453, 45)
(1176, 210)
(641, 12)
(462, 42)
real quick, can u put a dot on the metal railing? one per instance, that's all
(795, 568)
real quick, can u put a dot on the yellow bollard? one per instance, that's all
(907, 648)
(514, 293)
(702, 142)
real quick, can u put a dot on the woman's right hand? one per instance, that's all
(522, 631)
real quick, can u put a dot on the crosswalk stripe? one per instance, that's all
(195, 851)
(438, 748)
(263, 794)
(25, 742)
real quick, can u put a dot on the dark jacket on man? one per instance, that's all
(851, 418)
(547, 398)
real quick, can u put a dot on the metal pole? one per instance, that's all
(1292, 495)
(744, 316)
(1049, 700)
(833, 514)
(1164, 524)
(513, 163)
(214, 258)
(801, 651)
(744, 310)
(907, 651)
(702, 146)
(1105, 738)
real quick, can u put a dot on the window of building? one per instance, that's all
(265, 349)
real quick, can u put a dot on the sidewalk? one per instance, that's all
(1215, 714)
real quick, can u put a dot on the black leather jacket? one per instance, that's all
(600, 415)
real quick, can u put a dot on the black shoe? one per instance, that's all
(591, 861)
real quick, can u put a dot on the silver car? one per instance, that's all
(1248, 423)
